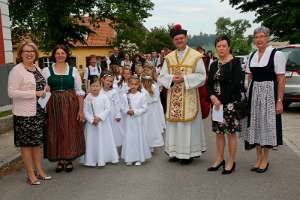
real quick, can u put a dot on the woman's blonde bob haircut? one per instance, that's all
(20, 50)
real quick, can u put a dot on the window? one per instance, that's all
(44, 62)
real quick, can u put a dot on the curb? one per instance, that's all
(10, 160)
(6, 124)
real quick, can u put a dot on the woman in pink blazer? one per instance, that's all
(25, 86)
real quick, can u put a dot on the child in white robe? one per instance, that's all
(159, 111)
(115, 114)
(100, 144)
(122, 88)
(135, 146)
(116, 73)
(122, 85)
(151, 122)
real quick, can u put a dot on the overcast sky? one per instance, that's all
(194, 15)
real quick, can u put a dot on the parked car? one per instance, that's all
(243, 60)
(292, 86)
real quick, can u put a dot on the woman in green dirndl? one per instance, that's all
(65, 139)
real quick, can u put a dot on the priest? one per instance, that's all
(182, 73)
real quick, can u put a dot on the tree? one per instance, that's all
(136, 33)
(158, 38)
(281, 16)
(204, 40)
(54, 21)
(235, 30)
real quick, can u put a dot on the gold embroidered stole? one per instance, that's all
(183, 105)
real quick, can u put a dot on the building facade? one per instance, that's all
(97, 43)
(6, 53)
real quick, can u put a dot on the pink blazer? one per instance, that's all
(22, 88)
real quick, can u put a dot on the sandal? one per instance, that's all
(60, 167)
(43, 178)
(36, 182)
(69, 167)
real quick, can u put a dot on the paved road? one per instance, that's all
(161, 180)
(291, 125)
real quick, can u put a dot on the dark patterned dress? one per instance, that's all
(230, 124)
(65, 136)
(29, 131)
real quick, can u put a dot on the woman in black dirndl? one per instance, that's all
(266, 68)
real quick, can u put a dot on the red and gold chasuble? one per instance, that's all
(183, 104)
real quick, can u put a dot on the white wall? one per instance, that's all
(6, 31)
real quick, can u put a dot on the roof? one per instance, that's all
(104, 33)
(103, 37)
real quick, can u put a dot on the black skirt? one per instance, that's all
(29, 131)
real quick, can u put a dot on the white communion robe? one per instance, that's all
(185, 140)
(115, 113)
(152, 121)
(100, 144)
(135, 147)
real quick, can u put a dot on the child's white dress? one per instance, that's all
(135, 146)
(115, 113)
(152, 120)
(100, 144)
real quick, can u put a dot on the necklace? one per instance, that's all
(226, 59)
(30, 68)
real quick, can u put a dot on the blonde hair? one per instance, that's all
(114, 69)
(123, 79)
(152, 69)
(147, 84)
(20, 50)
(135, 78)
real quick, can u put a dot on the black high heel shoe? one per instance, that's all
(262, 170)
(213, 169)
(225, 172)
(254, 169)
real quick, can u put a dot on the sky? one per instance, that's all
(195, 15)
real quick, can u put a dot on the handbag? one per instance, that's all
(242, 107)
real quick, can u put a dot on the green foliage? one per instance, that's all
(281, 16)
(135, 33)
(5, 113)
(158, 38)
(54, 21)
(204, 40)
(235, 30)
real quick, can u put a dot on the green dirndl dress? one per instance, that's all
(65, 135)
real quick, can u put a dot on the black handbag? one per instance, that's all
(242, 107)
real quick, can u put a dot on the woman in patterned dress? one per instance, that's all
(25, 86)
(266, 67)
(223, 85)
(65, 137)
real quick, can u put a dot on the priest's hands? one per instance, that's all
(130, 112)
(96, 120)
(178, 78)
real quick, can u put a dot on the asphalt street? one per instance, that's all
(160, 180)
